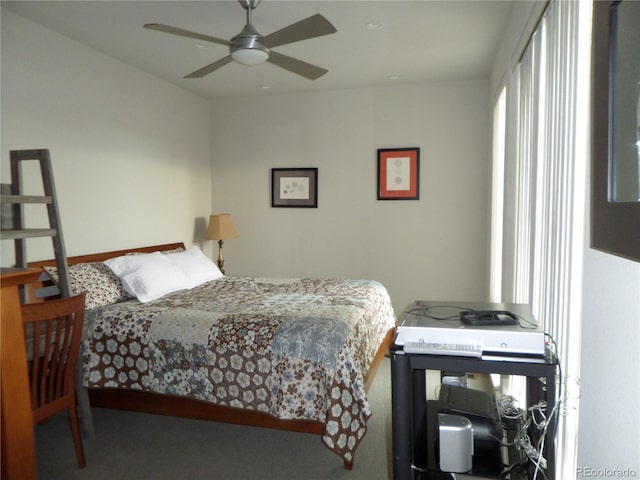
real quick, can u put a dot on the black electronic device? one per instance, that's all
(478, 406)
(479, 318)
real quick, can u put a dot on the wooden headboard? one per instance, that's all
(37, 291)
(101, 257)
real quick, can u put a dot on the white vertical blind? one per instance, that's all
(528, 73)
(497, 196)
(543, 259)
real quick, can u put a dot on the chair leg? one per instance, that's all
(75, 432)
(84, 407)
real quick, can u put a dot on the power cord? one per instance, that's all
(535, 417)
(428, 311)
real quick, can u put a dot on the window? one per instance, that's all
(544, 191)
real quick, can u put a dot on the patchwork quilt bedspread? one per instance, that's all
(293, 348)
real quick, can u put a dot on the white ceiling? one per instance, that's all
(418, 41)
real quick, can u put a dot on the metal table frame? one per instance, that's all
(409, 387)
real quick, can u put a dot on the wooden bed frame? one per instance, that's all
(171, 405)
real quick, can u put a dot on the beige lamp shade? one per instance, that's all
(221, 227)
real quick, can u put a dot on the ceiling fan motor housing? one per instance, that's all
(249, 4)
(247, 47)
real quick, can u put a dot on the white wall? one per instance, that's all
(130, 153)
(609, 427)
(432, 248)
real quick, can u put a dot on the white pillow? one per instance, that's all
(195, 265)
(148, 276)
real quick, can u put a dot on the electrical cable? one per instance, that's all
(425, 311)
(535, 417)
(532, 325)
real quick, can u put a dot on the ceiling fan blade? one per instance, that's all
(185, 33)
(210, 68)
(294, 65)
(314, 26)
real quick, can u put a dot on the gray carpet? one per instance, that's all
(140, 446)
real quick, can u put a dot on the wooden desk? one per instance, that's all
(18, 443)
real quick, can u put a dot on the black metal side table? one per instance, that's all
(409, 405)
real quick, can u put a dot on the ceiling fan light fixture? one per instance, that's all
(247, 48)
(249, 56)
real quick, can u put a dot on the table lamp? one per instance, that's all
(220, 228)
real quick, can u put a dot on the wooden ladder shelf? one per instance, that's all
(13, 225)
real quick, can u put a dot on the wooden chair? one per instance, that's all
(53, 330)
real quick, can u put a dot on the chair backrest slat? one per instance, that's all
(57, 360)
(36, 365)
(56, 333)
(46, 393)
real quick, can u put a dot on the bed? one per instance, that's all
(291, 354)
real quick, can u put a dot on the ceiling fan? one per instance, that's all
(250, 48)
